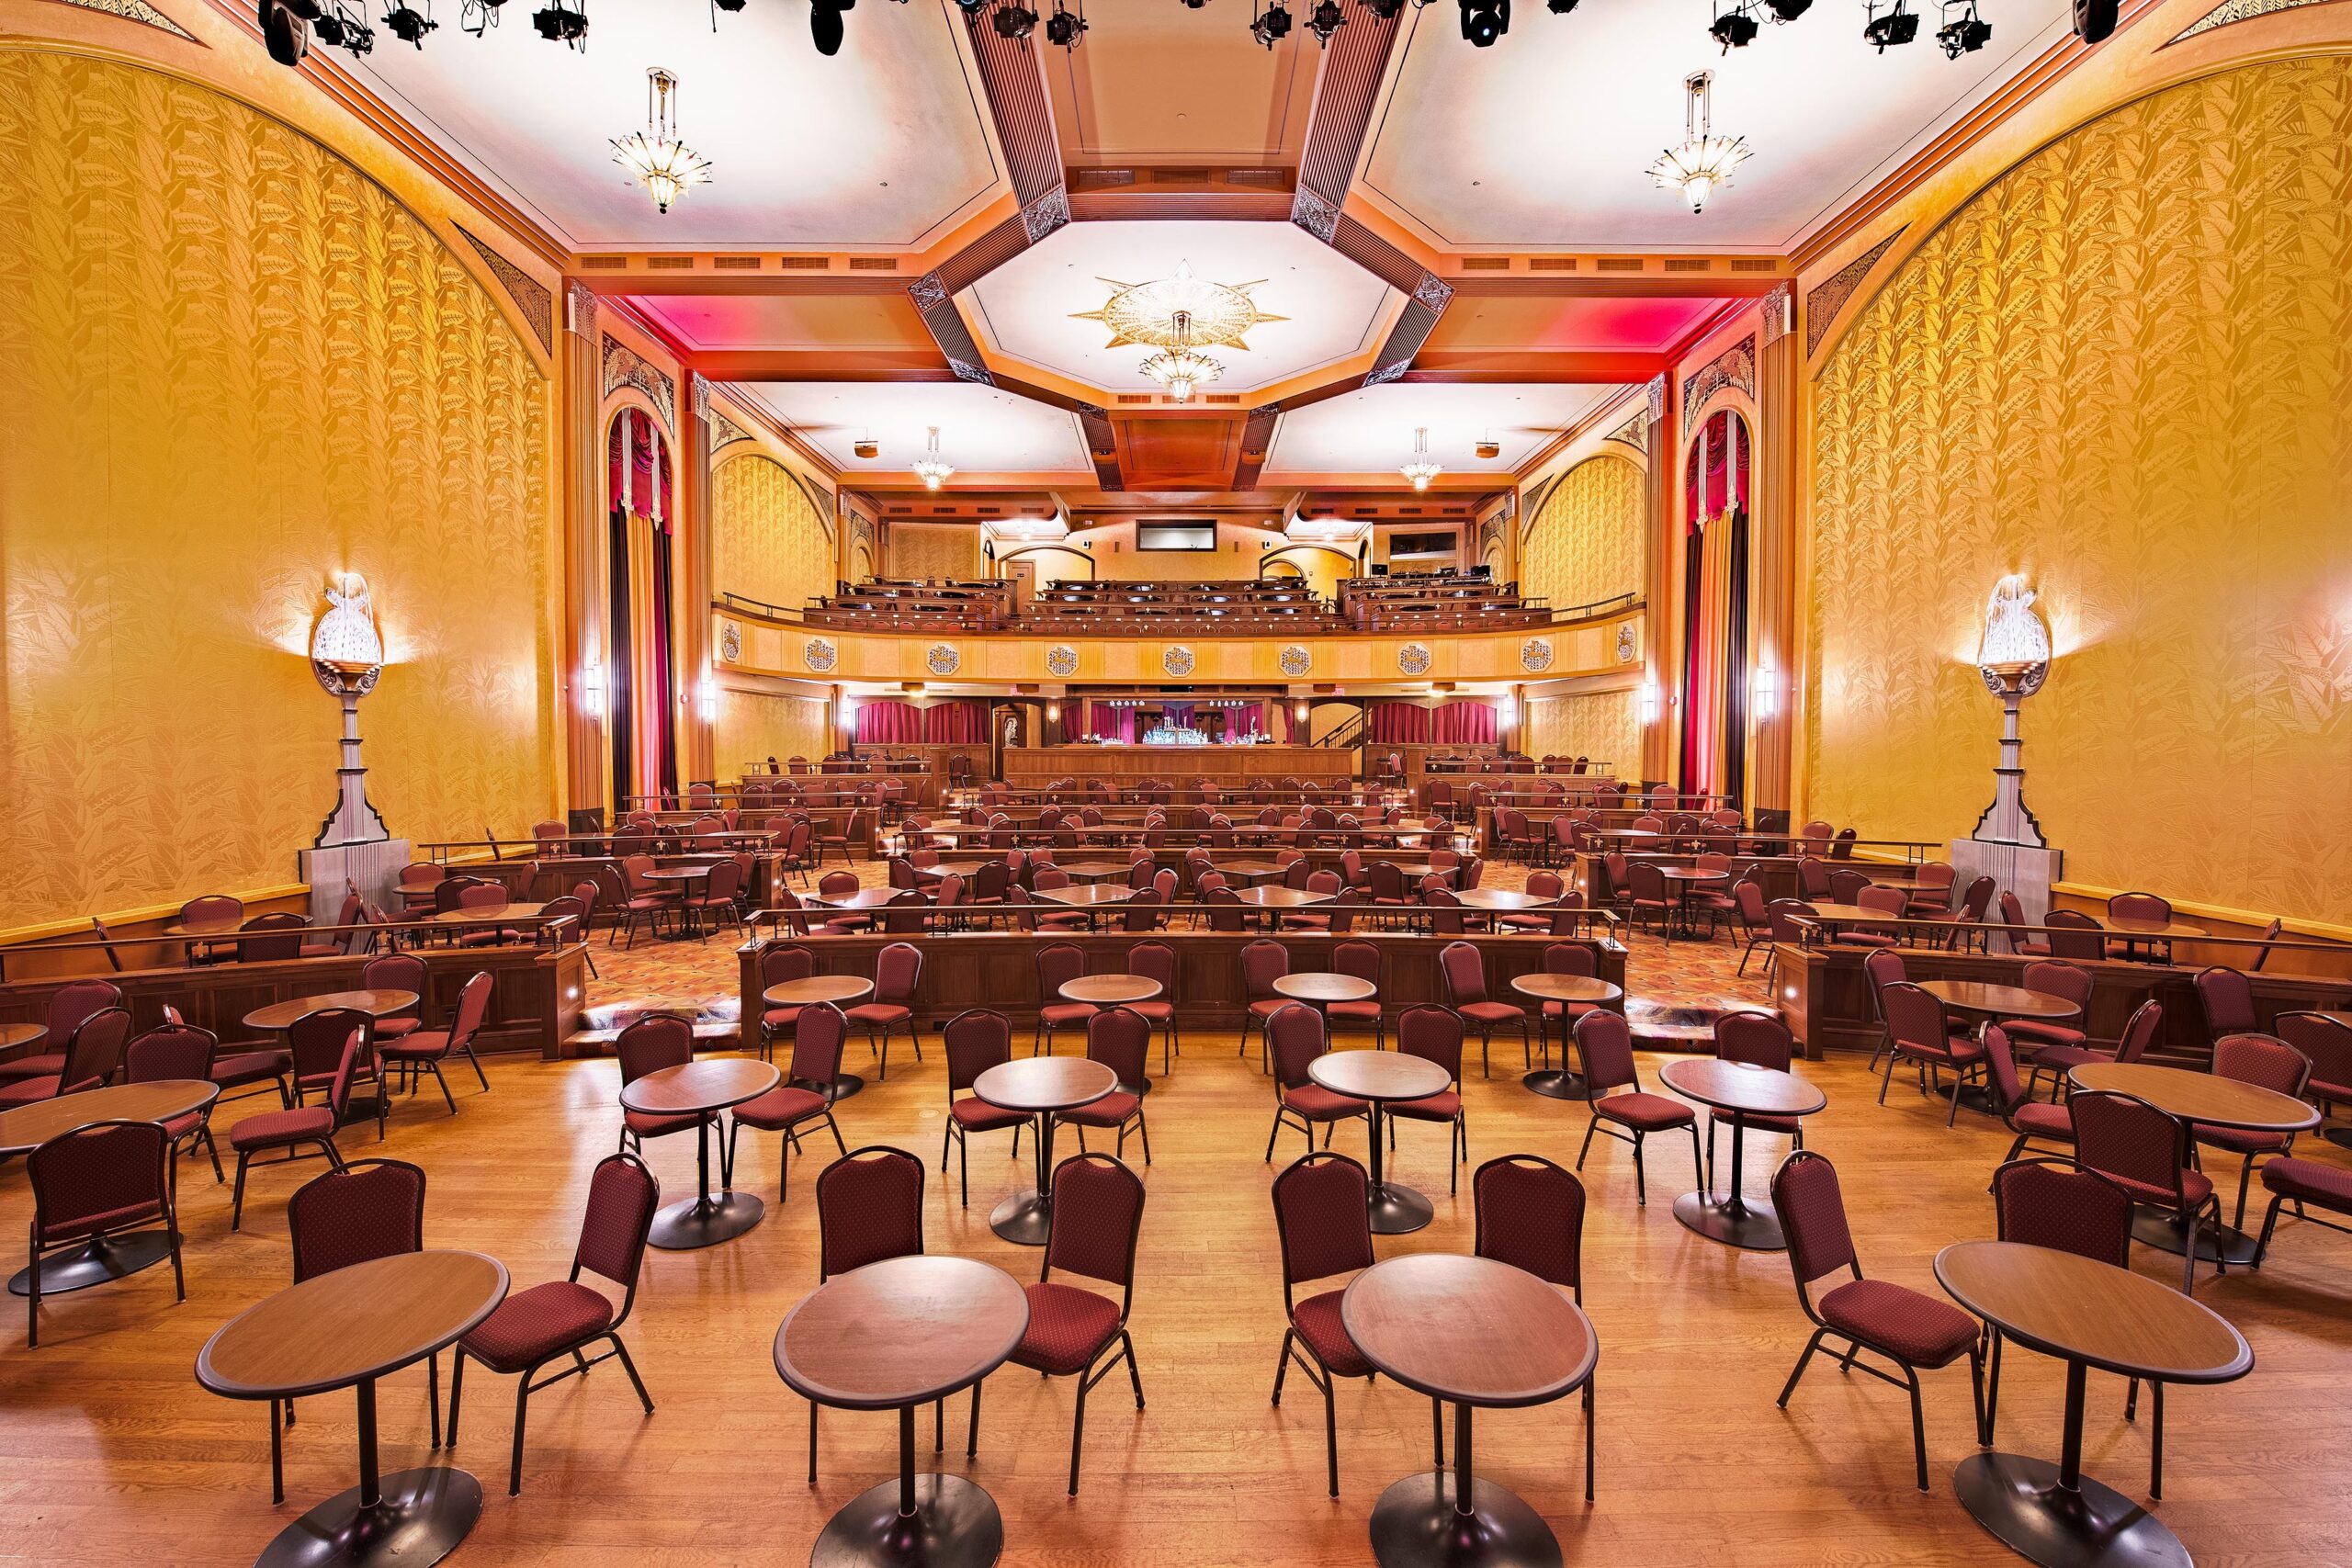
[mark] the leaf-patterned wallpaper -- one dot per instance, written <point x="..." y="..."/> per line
<point x="2125" y="369"/>
<point x="231" y="363"/>
<point x="767" y="541"/>
<point x="1599" y="725"/>
<point x="754" y="725"/>
<point x="942" y="550"/>
<point x="1585" y="542"/>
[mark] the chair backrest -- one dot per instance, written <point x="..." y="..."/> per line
<point x="1605" y="1042"/>
<point x="2263" y="1060"/>
<point x="1463" y="972"/>
<point x="2074" y="934"/>
<point x="2327" y="1044"/>
<point x="2269" y="936"/>
<point x="171" y="1051"/>
<point x="1434" y="1034"/>
<point x="2001" y="1061"/>
<point x="1323" y="1217"/>
<point x="1977" y="902"/>
<point x="213" y="907"/>
<point x="315" y="1039"/>
<point x="1098" y="1214"/>
<point x="278" y="936"/>
<point x="1058" y="963"/>
<point x="1812" y="1216"/>
<point x="2124" y="1137"/>
<point x="366" y="1210"/>
<point x="1263" y="962"/>
<point x="1881" y="900"/>
<point x="816" y="1038"/>
<point x="977" y="1039"/>
<point x="1120" y="1038"/>
<point x="623" y="1197"/>
<point x="1749" y="893"/>
<point x="1758" y="1039"/>
<point x="1295" y="1036"/>
<point x="2059" y="980"/>
<point x="656" y="1041"/>
<point x="1531" y="1215"/>
<point x="1154" y="961"/>
<point x="869" y="1207"/>
<point x="2139" y="1032"/>
<point x="93" y="1051"/>
<point x="1545" y="885"/>
<point x="1856" y="887"/>
<point x="1646" y="879"/>
<point x="1141" y="912"/>
<point x="396" y="972"/>
<point x="1781" y="916"/>
<point x="780" y="963"/>
<point x="2139" y="906"/>
<point x="2227" y="997"/>
<point x="105" y="1169"/>
<point x="1913" y="1016"/>
<point x="1570" y="958"/>
<point x="474" y="1010"/>
<point x="1812" y="877"/>
<point x="898" y="970"/>
<point x="1225" y="910"/>
<point x="2065" y="1205"/>
<point x="449" y="893"/>
<point x="1358" y="960"/>
<point x="77" y="999"/>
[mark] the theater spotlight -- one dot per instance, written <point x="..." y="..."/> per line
<point x="2094" y="20"/>
<point x="1885" y="30"/>
<point x="1271" y="26"/>
<point x="477" y="16"/>
<point x="408" y="25"/>
<point x="1326" y="19"/>
<point x="563" y="23"/>
<point x="1561" y="8"/>
<point x="1965" y="34"/>
<point x="1733" y="29"/>
<point x="825" y="24"/>
<point x="283" y="31"/>
<point x="1014" y="20"/>
<point x="1194" y="5"/>
<point x="971" y="7"/>
<point x="328" y="29"/>
<point x="1484" y="21"/>
<point x="1789" y="10"/>
<point x="1386" y="10"/>
<point x="1064" y="28"/>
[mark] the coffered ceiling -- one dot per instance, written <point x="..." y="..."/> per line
<point x="983" y="431"/>
<point x="1156" y="82"/>
<point x="1365" y="435"/>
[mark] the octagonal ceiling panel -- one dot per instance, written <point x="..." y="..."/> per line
<point x="1544" y="139"/>
<point x="982" y="430"/>
<point x="1371" y="431"/>
<point x="1335" y="308"/>
<point x="879" y="145"/>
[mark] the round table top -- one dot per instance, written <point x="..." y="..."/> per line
<point x="1088" y="870"/>
<point x="227" y="926"/>
<point x="1320" y="987"/>
<point x="490" y="914"/>
<point x="349" y="1325"/>
<point x="2129" y="925"/>
<point x="1413" y="871"/>
<point x="2202" y="1097"/>
<point x="1739" y="1086"/>
<point x="1469" y="1329"/>
<point x="1086" y="892"/>
<point x="1044" y="1083"/>
<point x="692" y="1088"/>
<point x="2004" y="1001"/>
<point x="677" y="872"/>
<point x="1904" y="885"/>
<point x="1692" y="873"/>
<point x="22" y="1033"/>
<point x="2343" y="1018"/>
<point x="1247" y="868"/>
<point x="2078" y="1308"/>
<point x="817" y="988"/>
<point x="1624" y="833"/>
<point x="1565" y="987"/>
<point x="281" y="1015"/>
<point x="30" y="1126"/>
<point x="1282" y="897"/>
<point x="900" y="1332"/>
<point x="1111" y="989"/>
<point x="1502" y="898"/>
<point x="1824" y="909"/>
<point x="1378" y="1075"/>
<point x="862" y="898"/>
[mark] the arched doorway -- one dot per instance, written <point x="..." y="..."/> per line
<point x="1714" y="599"/>
<point x="641" y="503"/>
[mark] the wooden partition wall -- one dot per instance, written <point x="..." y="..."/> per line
<point x="1226" y="766"/>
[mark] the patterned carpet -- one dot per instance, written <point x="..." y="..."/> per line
<point x="1674" y="989"/>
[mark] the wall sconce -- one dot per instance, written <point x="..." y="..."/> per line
<point x="1764" y="692"/>
<point x="1506" y="711"/>
<point x="347" y="650"/>
<point x="592" y="689"/>
<point x="1053" y="713"/>
<point x="1648" y="701"/>
<point x="849" y="712"/>
<point x="706" y="699"/>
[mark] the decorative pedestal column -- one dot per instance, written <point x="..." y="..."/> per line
<point x="2007" y="845"/>
<point x="353" y="851"/>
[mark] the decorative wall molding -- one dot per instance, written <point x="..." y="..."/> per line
<point x="725" y="431"/>
<point x="1657" y="391"/>
<point x="2229" y="11"/>
<point x="1733" y="368"/>
<point x="1313" y="214"/>
<point x="141" y="12"/>
<point x="534" y="298"/>
<point x="1825" y="299"/>
<point x="1633" y="432"/>
<point x="1776" y="313"/>
<point x="624" y="366"/>
<point x="580" y="311"/>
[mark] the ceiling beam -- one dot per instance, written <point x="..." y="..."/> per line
<point x="1499" y="366"/>
<point x="823" y="364"/>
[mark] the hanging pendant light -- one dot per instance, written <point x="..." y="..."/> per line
<point x="929" y="469"/>
<point x="1420" y="470"/>
<point x="1704" y="161"/>
<point x="654" y="157"/>
<point x="1181" y="368"/>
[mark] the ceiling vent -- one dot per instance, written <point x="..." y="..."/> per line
<point x="805" y="263"/>
<point x="873" y="264"/>
<point x="735" y="263"/>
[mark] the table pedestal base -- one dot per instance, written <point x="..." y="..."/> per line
<point x="94" y="1263"/>
<point x="1750" y="1223"/>
<point x="2160" y="1228"/>
<point x="423" y="1516"/>
<point x="847" y="1084"/>
<point x="1415" y="1524"/>
<point x="1559" y="1084"/>
<point x="2340" y="1136"/>
<point x="2020" y="1501"/>
<point x="954" y="1525"/>
<point x="1025" y="1219"/>
<point x="1398" y="1210"/>
<point x="705" y="1222"/>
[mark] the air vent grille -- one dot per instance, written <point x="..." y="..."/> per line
<point x="1618" y="263"/>
<point x="805" y="263"/>
<point x="873" y="264"/>
<point x="603" y="264"/>
<point x="669" y="264"/>
<point x="1551" y="264"/>
<point x="1688" y="264"/>
<point x="735" y="263"/>
<point x="1754" y="263"/>
<point x="1486" y="263"/>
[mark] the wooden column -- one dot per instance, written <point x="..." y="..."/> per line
<point x="1772" y="553"/>
<point x="694" y="656"/>
<point x="586" y="552"/>
<point x="1662" y="626"/>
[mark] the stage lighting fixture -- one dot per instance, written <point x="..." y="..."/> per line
<point x="566" y="25"/>
<point x="1386" y="10"/>
<point x="1561" y="8"/>
<point x="1884" y="31"/>
<point x="2094" y="20"/>
<point x="477" y="16"/>
<point x="1965" y="34"/>
<point x="1733" y="29"/>
<point x="972" y="8"/>
<point x="286" y="34"/>
<point x="1484" y="21"/>
<point x="1271" y="26"/>
<point x="1326" y="19"/>
<point x="1014" y="20"/>
<point x="1789" y="10"/>
<point x="1064" y="28"/>
<point x="825" y="24"/>
<point x="408" y="25"/>
<point x="328" y="29"/>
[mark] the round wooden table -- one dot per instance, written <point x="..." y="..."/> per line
<point x="28" y="1127"/>
<point x="1085" y="895"/>
<point x="1282" y="897"/>
<point x="1503" y="900"/>
<point x="702" y="1090"/>
<point x="1320" y="990"/>
<point x="898" y="1334"/>
<point x="1742" y="1089"/>
<point x="1247" y="870"/>
<point x="15" y="1034"/>
<point x="1377" y="1077"/>
<point x="839" y="989"/>
<point x="1687" y="880"/>
<point x="1091" y="870"/>
<point x="2088" y="1314"/>
<point x="862" y="898"/>
<point x="1987" y="1002"/>
<point x="1473" y="1332"/>
<point x="376" y="1004"/>
<point x="1039" y="1085"/>
<point x="1110" y="990"/>
<point x="1560" y="1084"/>
<point x="2203" y="1099"/>
<point x="346" y="1328"/>
<point x="488" y="915"/>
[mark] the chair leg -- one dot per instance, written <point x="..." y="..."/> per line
<point x="1641" y="1180"/>
<point x="1803" y="1361"/>
<point x="440" y="1079"/>
<point x="972" y="1440"/>
<point x="522" y="1409"/>
<point x="1993" y="1395"/>
<point x="457" y="1395"/>
<point x="1919" y="1427"/>
<point x="237" y="1204"/>
<point x="1331" y="1431"/>
<point x="2156" y="1450"/>
<point x="1589" y="1413"/>
<point x="812" y="1442"/>
<point x="276" y="1456"/>
<point x="1076" y="1432"/>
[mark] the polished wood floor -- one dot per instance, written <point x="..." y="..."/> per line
<point x="110" y="1453"/>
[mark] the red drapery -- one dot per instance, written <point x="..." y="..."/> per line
<point x="958" y="721"/>
<point x="1107" y="721"/>
<point x="1465" y="721"/>
<point x="889" y="723"/>
<point x="643" y="729"/>
<point x="1715" y="660"/>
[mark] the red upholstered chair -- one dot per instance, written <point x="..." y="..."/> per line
<point x="2063" y="1206"/>
<point x="1141" y="913"/>
<point x="1323" y="1216"/>
<point x="1360" y="961"/>
<point x="560" y="1319"/>
<point x="1606" y="1042"/>
<point x="1909" y="1328"/>
<point x="2139" y="906"/>
<point x="1119" y="1038"/>
<point x="102" y="1181"/>
<point x="1761" y="1039"/>
<point x="2265" y="1062"/>
<point x="2308" y="1185"/>
<point x="1540" y="885"/>
<point x="780" y="965"/>
<point x="1434" y="1034"/>
<point x="1531" y="1215"/>
<point x="2029" y="1118"/>
<point x="1098" y="1214"/>
<point x="302" y="1126"/>
<point x="213" y="907"/>
<point x="177" y="1052"/>
<point x="2148" y="1153"/>
<point x="1813" y="878"/>
<point x="92" y="1057"/>
<point x="1295" y="1031"/>
<point x="2075" y="936"/>
<point x="366" y="1210"/>
<point x="657" y="1040"/>
<point x="1314" y="919"/>
<point x="898" y="971"/>
<point x="807" y="1096"/>
<point x="68" y="1006"/>
<point x="397" y="972"/>
<point x="2328" y="1044"/>
<point x="2226" y="996"/>
<point x="2013" y="916"/>
<point x="414" y="1055"/>
<point x="1650" y="896"/>
<point x="1918" y="1030"/>
<point x="977" y="1039"/>
<point x="717" y="902"/>
<point x="315" y="1041"/>
<point x="846" y="842"/>
<point x="1465" y="975"/>
<point x="1157" y="960"/>
<point x="869" y="1207"/>
<point x="1936" y="896"/>
<point x="1058" y="963"/>
<point x="2139" y="1032"/>
<point x="1263" y="962"/>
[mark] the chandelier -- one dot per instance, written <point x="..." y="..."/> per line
<point x="1214" y="314"/>
<point x="929" y="469"/>
<point x="1420" y="470"/>
<point x="1180" y="368"/>
<point x="1704" y="161"/>
<point x="654" y="157"/>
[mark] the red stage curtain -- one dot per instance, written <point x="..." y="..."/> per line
<point x="1467" y="721"/>
<point x="890" y="723"/>
<point x="958" y="721"/>
<point x="1106" y="721"/>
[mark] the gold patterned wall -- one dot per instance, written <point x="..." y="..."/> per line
<point x="1585" y="545"/>
<point x="1602" y="725"/>
<point x="229" y="363"/>
<point x="2123" y="370"/>
<point x="755" y="726"/>
<point x="942" y="550"/>
<point x="768" y="541"/>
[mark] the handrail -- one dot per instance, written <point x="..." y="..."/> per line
<point x="2102" y="934"/>
<point x="1607" y="918"/>
<point x="107" y="944"/>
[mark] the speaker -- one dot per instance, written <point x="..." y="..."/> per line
<point x="2095" y="20"/>
<point x="286" y="34"/>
